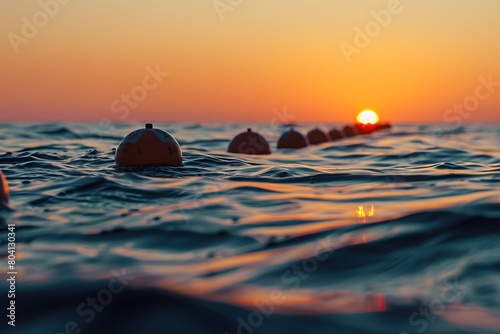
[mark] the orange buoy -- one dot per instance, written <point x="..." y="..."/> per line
<point x="336" y="134"/>
<point x="317" y="136"/>
<point x="4" y="189"/>
<point x="366" y="129"/>
<point x="149" y="146"/>
<point x="249" y="143"/>
<point x="292" y="139"/>
<point x="350" y="131"/>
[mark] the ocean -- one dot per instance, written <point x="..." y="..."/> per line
<point x="393" y="232"/>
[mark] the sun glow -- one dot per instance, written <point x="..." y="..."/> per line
<point x="367" y="117"/>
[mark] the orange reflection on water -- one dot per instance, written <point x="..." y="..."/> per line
<point x="248" y="266"/>
<point x="361" y="214"/>
<point x="371" y="213"/>
<point x="302" y="302"/>
<point x="468" y="317"/>
<point x="375" y="302"/>
<point x="300" y="229"/>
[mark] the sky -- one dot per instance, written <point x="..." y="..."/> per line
<point x="241" y="60"/>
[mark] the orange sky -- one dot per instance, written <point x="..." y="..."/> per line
<point x="418" y="62"/>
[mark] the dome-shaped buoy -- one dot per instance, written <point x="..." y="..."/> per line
<point x="292" y="139"/>
<point x="350" y="131"/>
<point x="149" y="146"/>
<point x="249" y="143"/>
<point x="385" y="126"/>
<point x="336" y="134"/>
<point x="4" y="189"/>
<point x="317" y="136"/>
<point x="366" y="129"/>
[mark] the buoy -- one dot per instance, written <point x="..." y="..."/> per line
<point x="367" y="122"/>
<point x="336" y="134"/>
<point x="317" y="136"/>
<point x="384" y="126"/>
<point x="149" y="146"/>
<point x="4" y="189"/>
<point x="249" y="143"/>
<point x="292" y="139"/>
<point x="366" y="129"/>
<point x="350" y="131"/>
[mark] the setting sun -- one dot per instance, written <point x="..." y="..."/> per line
<point x="367" y="117"/>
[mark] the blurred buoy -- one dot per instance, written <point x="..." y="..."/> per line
<point x="336" y="134"/>
<point x="292" y="139"/>
<point x="366" y="129"/>
<point x="249" y="143"/>
<point x="316" y="136"/>
<point x="384" y="126"/>
<point x="149" y="146"/>
<point x="4" y="189"/>
<point x="350" y="131"/>
<point x="367" y="122"/>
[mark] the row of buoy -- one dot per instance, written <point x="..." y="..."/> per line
<point x="150" y="146"/>
<point x="253" y="143"/>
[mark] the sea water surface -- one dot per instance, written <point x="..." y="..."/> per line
<point x="394" y="232"/>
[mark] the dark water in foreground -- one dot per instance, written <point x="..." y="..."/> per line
<point x="243" y="244"/>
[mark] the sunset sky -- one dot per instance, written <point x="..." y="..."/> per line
<point x="423" y="58"/>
